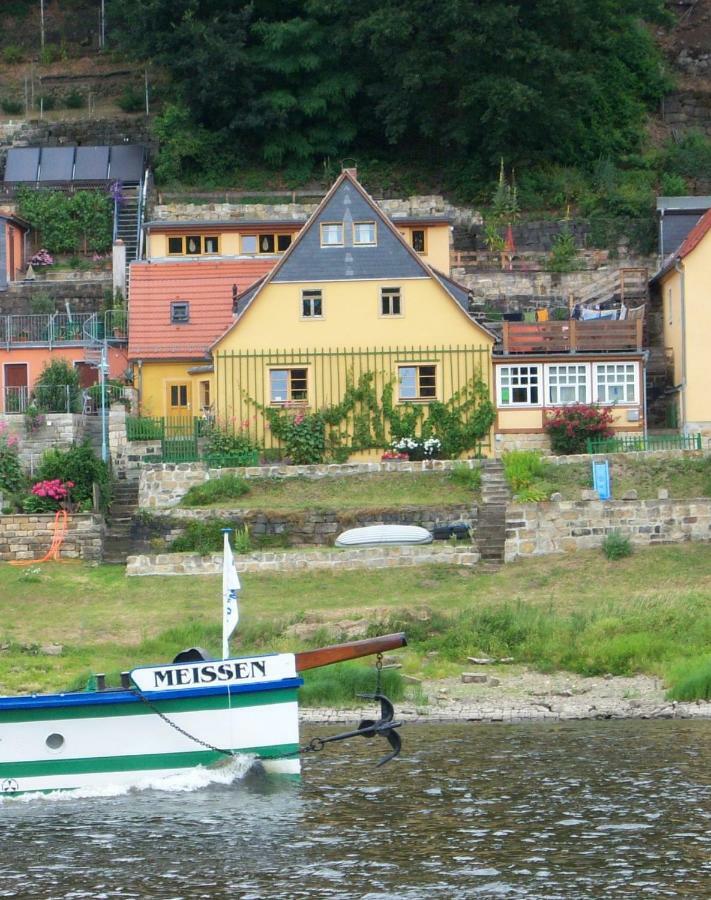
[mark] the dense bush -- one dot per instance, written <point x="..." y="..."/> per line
<point x="81" y="466"/>
<point x="522" y="468"/>
<point x="11" y="107"/>
<point x="131" y="100"/>
<point x="12" y="54"/>
<point x="11" y="477"/>
<point x="57" y="388"/>
<point x="74" y="100"/>
<point x="201" y="537"/>
<point x="570" y="427"/>
<point x="80" y="222"/>
<point x="233" y="447"/>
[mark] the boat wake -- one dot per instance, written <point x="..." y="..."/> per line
<point x="233" y="770"/>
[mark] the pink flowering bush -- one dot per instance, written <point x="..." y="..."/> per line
<point x="42" y="258"/>
<point x="53" y="490"/>
<point x="570" y="427"/>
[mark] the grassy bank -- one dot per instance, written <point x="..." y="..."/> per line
<point x="352" y="492"/>
<point x="649" y="613"/>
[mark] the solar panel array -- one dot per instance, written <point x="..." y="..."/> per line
<point x="122" y="162"/>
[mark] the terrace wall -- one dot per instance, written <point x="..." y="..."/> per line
<point x="60" y="431"/>
<point x="537" y="529"/>
<point x="30" y="536"/>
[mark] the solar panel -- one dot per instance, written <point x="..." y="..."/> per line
<point x="91" y="164"/>
<point x="22" y="163"/>
<point x="57" y="164"/>
<point x="126" y="162"/>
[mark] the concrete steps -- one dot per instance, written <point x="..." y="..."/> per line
<point x="491" y="527"/>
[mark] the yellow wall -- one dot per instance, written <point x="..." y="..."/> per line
<point x="697" y="290"/>
<point x="519" y="419"/>
<point x="671" y="307"/>
<point x="351" y="321"/>
<point x="154" y="378"/>
<point x="351" y="318"/>
<point x="437" y="241"/>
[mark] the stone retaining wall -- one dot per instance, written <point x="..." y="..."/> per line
<point x="536" y="529"/>
<point x="83" y="296"/>
<point x="293" y="560"/>
<point x="163" y="485"/>
<point x="320" y="527"/>
<point x="30" y="537"/>
<point x="60" y="430"/>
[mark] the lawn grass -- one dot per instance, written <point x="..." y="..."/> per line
<point x="648" y="613"/>
<point x="684" y="478"/>
<point x="351" y="492"/>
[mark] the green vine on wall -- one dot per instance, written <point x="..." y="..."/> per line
<point x="68" y="223"/>
<point x="362" y="421"/>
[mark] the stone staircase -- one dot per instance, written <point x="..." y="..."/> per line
<point x="491" y="528"/>
<point x="118" y="542"/>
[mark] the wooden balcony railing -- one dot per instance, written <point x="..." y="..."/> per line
<point x="591" y="335"/>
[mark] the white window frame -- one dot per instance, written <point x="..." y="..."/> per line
<point x="528" y="404"/>
<point x="597" y="367"/>
<point x="310" y="295"/>
<point x="549" y="374"/>
<point x="289" y="388"/>
<point x="357" y="243"/>
<point x="332" y="225"/>
<point x="387" y="293"/>
<point x="417" y="366"/>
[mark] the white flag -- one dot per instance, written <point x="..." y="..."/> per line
<point x="230" y="587"/>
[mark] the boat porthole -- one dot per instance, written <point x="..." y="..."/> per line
<point x="55" y="741"/>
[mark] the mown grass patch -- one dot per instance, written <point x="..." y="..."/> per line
<point x="350" y="492"/>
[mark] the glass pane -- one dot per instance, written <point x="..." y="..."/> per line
<point x="505" y="395"/>
<point x="316" y="306"/>
<point x="519" y="395"/>
<point x="175" y="245"/>
<point x="396" y="305"/>
<point x="210" y="245"/>
<point x="249" y="243"/>
<point x="408" y="382"/>
<point x="283" y="242"/>
<point x="364" y="233"/>
<point x="428" y="387"/>
<point x="278" y="385"/>
<point x="266" y="243"/>
<point x="418" y="241"/>
<point x="298" y="384"/>
<point x="331" y="234"/>
<point x="183" y="394"/>
<point x="174" y="395"/>
<point x="192" y="244"/>
<point x="534" y="394"/>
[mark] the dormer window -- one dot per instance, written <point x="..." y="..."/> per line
<point x="363" y="233"/>
<point x="179" y="312"/>
<point x="193" y="245"/>
<point x="332" y="234"/>
<point x="419" y="244"/>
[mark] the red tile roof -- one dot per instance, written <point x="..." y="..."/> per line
<point x="206" y="285"/>
<point x="695" y="236"/>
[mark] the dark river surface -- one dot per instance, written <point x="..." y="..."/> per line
<point x="594" y="809"/>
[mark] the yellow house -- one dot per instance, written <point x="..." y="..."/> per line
<point x="350" y="303"/>
<point x="683" y="284"/>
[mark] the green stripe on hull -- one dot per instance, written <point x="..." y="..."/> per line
<point x="112" y="710"/>
<point x="41" y="767"/>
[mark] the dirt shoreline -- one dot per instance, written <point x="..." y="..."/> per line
<point x="523" y="696"/>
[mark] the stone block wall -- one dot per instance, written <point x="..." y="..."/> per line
<point x="295" y="561"/>
<point x="60" y="431"/>
<point x="163" y="485"/>
<point x="536" y="529"/>
<point x="30" y="537"/>
<point x="320" y="527"/>
<point x="83" y="296"/>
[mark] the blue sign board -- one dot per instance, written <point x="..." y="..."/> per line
<point x="601" y="478"/>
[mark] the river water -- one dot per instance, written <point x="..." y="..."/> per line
<point x="575" y="810"/>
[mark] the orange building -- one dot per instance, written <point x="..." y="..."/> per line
<point x="13" y="233"/>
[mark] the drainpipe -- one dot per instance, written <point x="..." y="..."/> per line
<point x="645" y="360"/>
<point x="679" y="267"/>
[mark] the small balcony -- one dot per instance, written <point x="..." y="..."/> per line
<point x="572" y="336"/>
<point x="62" y="329"/>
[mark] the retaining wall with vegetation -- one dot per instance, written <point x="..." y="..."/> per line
<point x="294" y="560"/>
<point x="30" y="537"/>
<point x="319" y="526"/>
<point x="163" y="485"/>
<point x="60" y="430"/>
<point x="536" y="529"/>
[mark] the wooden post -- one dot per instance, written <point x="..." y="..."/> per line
<point x="573" y="335"/>
<point x="639" y="323"/>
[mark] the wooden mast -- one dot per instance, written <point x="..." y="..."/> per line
<point x="325" y="656"/>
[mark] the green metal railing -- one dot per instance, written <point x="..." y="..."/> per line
<point x="179" y="440"/>
<point x="629" y="443"/>
<point x="144" y="428"/>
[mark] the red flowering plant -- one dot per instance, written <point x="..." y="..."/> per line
<point x="46" y="496"/>
<point x="394" y="455"/>
<point x="570" y="427"/>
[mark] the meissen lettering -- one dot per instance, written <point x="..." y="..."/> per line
<point x="207" y="674"/>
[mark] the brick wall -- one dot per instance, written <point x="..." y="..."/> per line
<point x="30" y="537"/>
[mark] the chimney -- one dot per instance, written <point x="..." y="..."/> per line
<point x="352" y="170"/>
